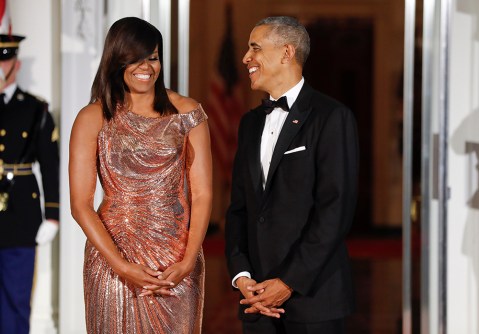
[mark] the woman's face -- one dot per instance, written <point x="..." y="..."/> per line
<point x="140" y="77"/>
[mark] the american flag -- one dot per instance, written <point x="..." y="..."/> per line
<point x="224" y="104"/>
<point x="5" y="21"/>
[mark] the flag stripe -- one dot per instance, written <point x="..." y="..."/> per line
<point x="5" y="21"/>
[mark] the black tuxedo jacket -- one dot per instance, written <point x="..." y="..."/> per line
<point x="295" y="228"/>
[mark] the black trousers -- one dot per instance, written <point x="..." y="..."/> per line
<point x="267" y="325"/>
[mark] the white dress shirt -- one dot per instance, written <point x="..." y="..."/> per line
<point x="272" y="127"/>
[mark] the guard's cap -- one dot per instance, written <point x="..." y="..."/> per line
<point x="9" y="46"/>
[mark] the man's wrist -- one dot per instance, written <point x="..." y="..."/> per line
<point x="286" y="285"/>
<point x="241" y="274"/>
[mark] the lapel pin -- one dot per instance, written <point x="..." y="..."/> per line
<point x="295" y="121"/>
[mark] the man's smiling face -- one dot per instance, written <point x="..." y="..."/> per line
<point x="263" y="59"/>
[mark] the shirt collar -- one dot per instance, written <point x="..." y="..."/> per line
<point x="292" y="94"/>
<point x="9" y="91"/>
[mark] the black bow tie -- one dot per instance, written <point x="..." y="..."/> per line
<point x="269" y="105"/>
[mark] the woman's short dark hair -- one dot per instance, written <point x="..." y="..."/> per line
<point x="128" y="41"/>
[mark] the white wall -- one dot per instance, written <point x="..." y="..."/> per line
<point x="36" y="51"/>
<point x="463" y="208"/>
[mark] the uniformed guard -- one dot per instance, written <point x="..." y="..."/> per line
<point x="27" y="135"/>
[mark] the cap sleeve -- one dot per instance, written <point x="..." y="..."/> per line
<point x="194" y="118"/>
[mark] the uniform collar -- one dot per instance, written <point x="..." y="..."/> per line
<point x="9" y="91"/>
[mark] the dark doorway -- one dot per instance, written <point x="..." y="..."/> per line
<point x="341" y="65"/>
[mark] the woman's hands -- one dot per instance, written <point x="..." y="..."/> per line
<point x="170" y="278"/>
<point x="143" y="276"/>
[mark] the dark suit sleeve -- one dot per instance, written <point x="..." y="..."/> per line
<point x="48" y="157"/>
<point x="334" y="202"/>
<point x="236" y="217"/>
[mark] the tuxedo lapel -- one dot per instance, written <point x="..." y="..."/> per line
<point x="297" y="116"/>
<point x="254" y="155"/>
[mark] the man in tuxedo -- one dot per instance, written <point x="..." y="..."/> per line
<point x="293" y="194"/>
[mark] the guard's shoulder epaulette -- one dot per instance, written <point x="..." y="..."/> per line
<point x="22" y="95"/>
<point x="39" y="98"/>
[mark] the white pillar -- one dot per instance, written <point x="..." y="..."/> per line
<point x="37" y="75"/>
<point x="81" y="45"/>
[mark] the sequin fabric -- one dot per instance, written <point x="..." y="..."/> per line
<point x="142" y="168"/>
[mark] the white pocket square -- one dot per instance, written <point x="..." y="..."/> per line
<point x="297" y="149"/>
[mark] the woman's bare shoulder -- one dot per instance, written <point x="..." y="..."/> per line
<point x="90" y="116"/>
<point x="184" y="104"/>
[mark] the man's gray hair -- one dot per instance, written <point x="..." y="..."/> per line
<point x="288" y="30"/>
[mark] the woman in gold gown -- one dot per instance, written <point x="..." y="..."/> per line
<point x="144" y="266"/>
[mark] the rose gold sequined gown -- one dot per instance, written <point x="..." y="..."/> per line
<point x="141" y="162"/>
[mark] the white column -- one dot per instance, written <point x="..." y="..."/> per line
<point x="81" y="45"/>
<point x="37" y="76"/>
<point x="162" y="20"/>
<point x="183" y="46"/>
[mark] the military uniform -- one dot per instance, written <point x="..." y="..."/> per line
<point x="27" y="135"/>
<point x="19" y="223"/>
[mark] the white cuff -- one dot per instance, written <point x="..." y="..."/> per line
<point x="241" y="274"/>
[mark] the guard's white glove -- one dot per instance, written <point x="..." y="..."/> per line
<point x="47" y="232"/>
